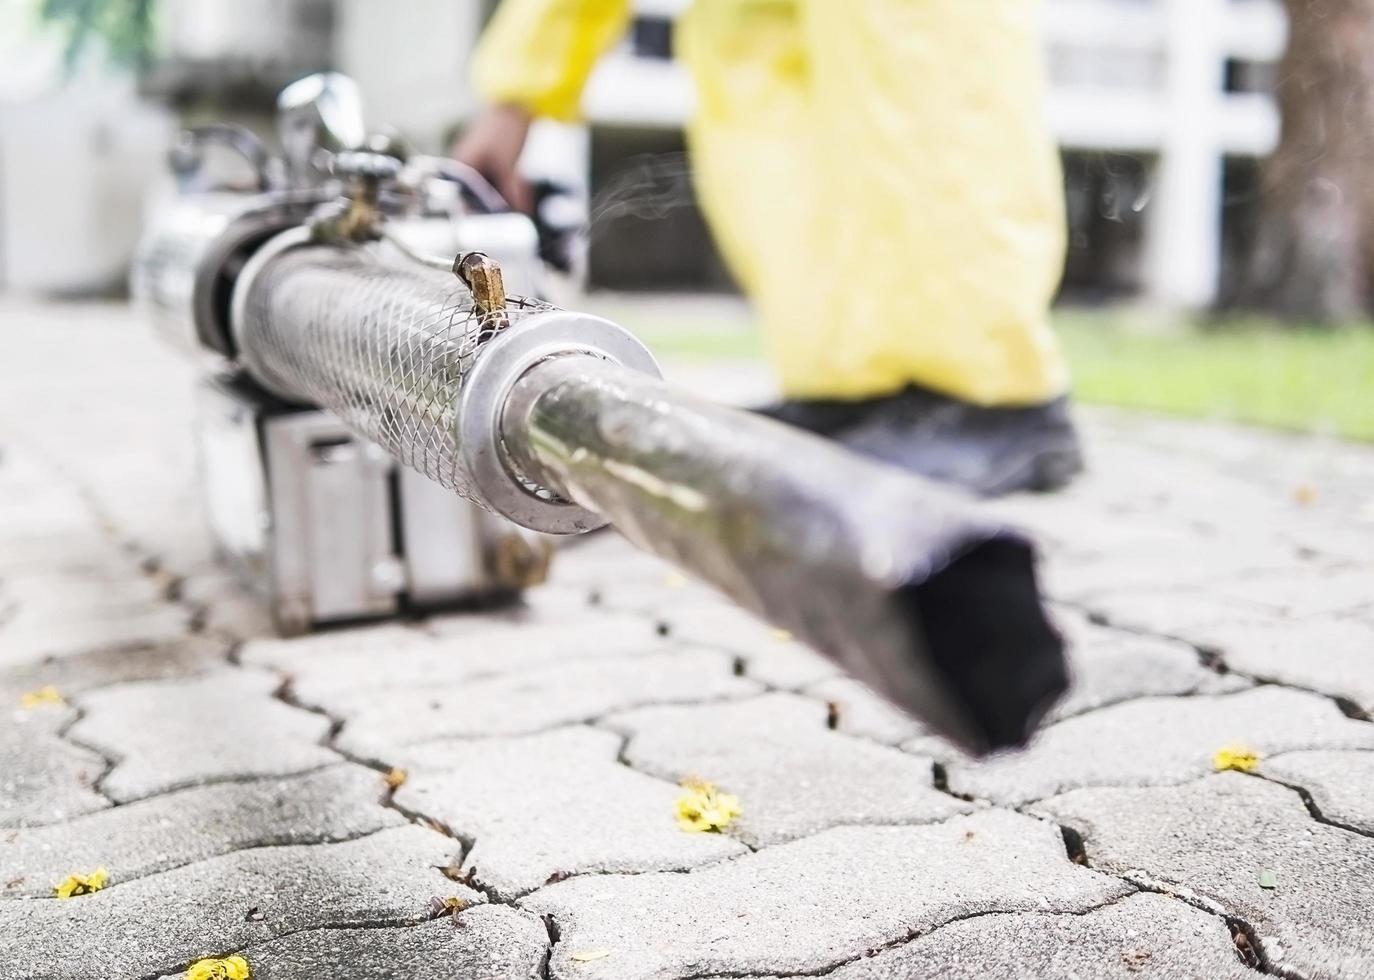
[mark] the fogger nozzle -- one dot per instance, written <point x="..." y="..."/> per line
<point x="560" y="422"/>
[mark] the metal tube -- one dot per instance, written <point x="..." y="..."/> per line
<point x="902" y="583"/>
<point x="558" y="422"/>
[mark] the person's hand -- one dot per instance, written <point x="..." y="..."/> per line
<point x="491" y="145"/>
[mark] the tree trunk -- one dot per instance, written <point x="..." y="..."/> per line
<point x="1314" y="242"/>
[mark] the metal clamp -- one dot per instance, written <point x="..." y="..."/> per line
<point x="502" y="363"/>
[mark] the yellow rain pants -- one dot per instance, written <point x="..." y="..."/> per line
<point x="877" y="173"/>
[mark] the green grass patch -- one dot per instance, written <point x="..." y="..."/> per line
<point x="1244" y="370"/>
<point x="1304" y="379"/>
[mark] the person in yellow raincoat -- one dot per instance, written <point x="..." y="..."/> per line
<point x="880" y="179"/>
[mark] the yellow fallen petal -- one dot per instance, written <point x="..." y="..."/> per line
<point x="228" y="968"/>
<point x="782" y="636"/>
<point x="394" y="778"/>
<point x="45" y="695"/>
<point x="81" y="884"/>
<point x="1240" y="758"/>
<point x="703" y="808"/>
<point x="589" y="955"/>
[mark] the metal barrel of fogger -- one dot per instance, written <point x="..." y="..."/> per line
<point x="560" y="422"/>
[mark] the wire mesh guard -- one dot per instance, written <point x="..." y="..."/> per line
<point x="383" y="342"/>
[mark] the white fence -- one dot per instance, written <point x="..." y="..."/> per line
<point x="1139" y="76"/>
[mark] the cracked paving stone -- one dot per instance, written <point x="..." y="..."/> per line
<point x="1151" y="742"/>
<point x="43" y="777"/>
<point x="1334" y="656"/>
<point x="521" y="703"/>
<point x="160" y="923"/>
<point x="1109" y="666"/>
<point x="485" y="942"/>
<point x="863" y="712"/>
<point x="409" y="658"/>
<point x="1208" y="841"/>
<point x="793" y="776"/>
<point x="225" y="725"/>
<point x="813" y="903"/>
<point x="100" y="668"/>
<point x="554" y="804"/>
<point x="771" y="655"/>
<point x="1341" y="784"/>
<point x="179" y="828"/>
<point x="1140" y="937"/>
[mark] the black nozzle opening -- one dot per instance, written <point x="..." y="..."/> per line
<point x="987" y="632"/>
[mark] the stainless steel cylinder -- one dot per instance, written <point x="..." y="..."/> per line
<point x="397" y="350"/>
<point x="560" y="422"/>
<point x="903" y="583"/>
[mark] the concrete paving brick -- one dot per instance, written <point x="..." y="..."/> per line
<point x="861" y="712"/>
<point x="182" y="827"/>
<point x="1141" y="936"/>
<point x="1153" y="742"/>
<point x="160" y="923"/>
<point x="82" y="672"/>
<point x="223" y="725"/>
<point x="143" y="625"/>
<point x="333" y="649"/>
<point x="1175" y="613"/>
<point x="1298" y="593"/>
<point x="410" y="658"/>
<point x="515" y="704"/>
<point x="770" y="655"/>
<point x="813" y="903"/>
<point x="558" y="803"/>
<point x="79" y="551"/>
<point x="485" y="942"/>
<point x="1110" y="666"/>
<point x="1197" y="562"/>
<point x="1209" y="840"/>
<point x="1334" y="656"/>
<point x="1341" y="784"/>
<point x="793" y="776"/>
<point x="43" y="777"/>
<point x="50" y="595"/>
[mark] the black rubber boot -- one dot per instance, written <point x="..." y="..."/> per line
<point x="988" y="451"/>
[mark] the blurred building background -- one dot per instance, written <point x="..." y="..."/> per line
<point x="1162" y="109"/>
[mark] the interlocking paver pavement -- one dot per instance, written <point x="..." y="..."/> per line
<point x="792" y="908"/>
<point x="226" y="725"/>
<point x="552" y="805"/>
<point x="1340" y="784"/>
<point x="1212" y="841"/>
<point x="1330" y="655"/>
<point x="377" y="723"/>
<point x="189" y="825"/>
<point x="776" y="752"/>
<point x="154" y="924"/>
<point x="44" y="777"/>
<point x="1141" y="936"/>
<point x="1153" y="742"/>
<point x="1215" y="581"/>
<point x="484" y="942"/>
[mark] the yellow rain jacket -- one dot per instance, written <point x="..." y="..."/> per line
<point x="877" y="173"/>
